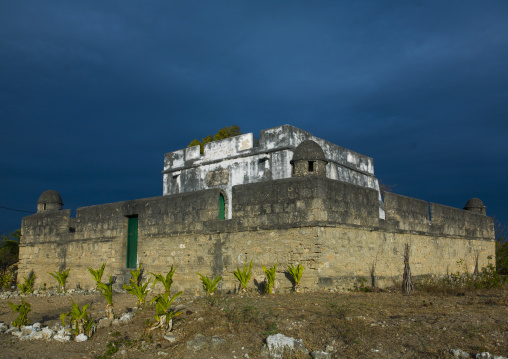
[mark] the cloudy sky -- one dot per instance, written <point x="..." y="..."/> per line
<point x="92" y="94"/>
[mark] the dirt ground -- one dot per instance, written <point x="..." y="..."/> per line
<point x="357" y="325"/>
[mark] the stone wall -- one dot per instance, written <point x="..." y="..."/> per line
<point x="331" y="227"/>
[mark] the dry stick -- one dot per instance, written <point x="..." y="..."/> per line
<point x="407" y="281"/>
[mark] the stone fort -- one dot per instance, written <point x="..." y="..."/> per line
<point x="292" y="198"/>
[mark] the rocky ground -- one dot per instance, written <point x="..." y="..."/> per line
<point x="337" y="325"/>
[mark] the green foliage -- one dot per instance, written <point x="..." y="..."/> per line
<point x="501" y="233"/>
<point x="28" y="285"/>
<point x="166" y="281"/>
<point x="22" y="309"/>
<point x="136" y="286"/>
<point x="486" y="278"/>
<point x="164" y="315"/>
<point x="270" y="278"/>
<point x="362" y="286"/>
<point x="226" y="132"/>
<point x="244" y="275"/>
<point x="9" y="250"/>
<point x="6" y="278"/>
<point x="97" y="274"/>
<point x="61" y="278"/>
<point x="79" y="319"/>
<point x="296" y="273"/>
<point x="106" y="290"/>
<point x="209" y="284"/>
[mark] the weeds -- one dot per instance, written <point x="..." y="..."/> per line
<point x="209" y="284"/>
<point x="97" y="274"/>
<point x="296" y="273"/>
<point x="22" y="309"/>
<point x="6" y="278"/>
<point x="243" y="276"/>
<point x="270" y="278"/>
<point x="61" y="278"/>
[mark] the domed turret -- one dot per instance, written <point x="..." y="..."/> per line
<point x="476" y="205"/>
<point x="309" y="159"/>
<point x="49" y="201"/>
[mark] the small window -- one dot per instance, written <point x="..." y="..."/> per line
<point x="44" y="206"/>
<point x="311" y="166"/>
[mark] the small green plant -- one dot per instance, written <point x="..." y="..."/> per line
<point x="270" y="278"/>
<point x="209" y="284"/>
<point x="6" y="278"/>
<point x="61" y="278"/>
<point x="164" y="316"/>
<point x="22" y="309"/>
<point x="362" y="286"/>
<point x="28" y="285"/>
<point x="97" y="274"/>
<point x="79" y="319"/>
<point x="106" y="290"/>
<point x="296" y="273"/>
<point x="167" y="281"/>
<point x="243" y="276"/>
<point x="136" y="286"/>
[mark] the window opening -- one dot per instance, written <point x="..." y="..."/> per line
<point x="311" y="166"/>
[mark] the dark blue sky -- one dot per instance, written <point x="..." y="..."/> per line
<point x="92" y="94"/>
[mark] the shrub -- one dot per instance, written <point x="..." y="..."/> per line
<point x="61" y="278"/>
<point x="209" y="284"/>
<point x="136" y="286"/>
<point x="243" y="276"/>
<point x="22" y="309"/>
<point x="106" y="290"/>
<point x="270" y="278"/>
<point x="296" y="273"/>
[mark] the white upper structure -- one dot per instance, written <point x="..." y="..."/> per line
<point x="235" y="161"/>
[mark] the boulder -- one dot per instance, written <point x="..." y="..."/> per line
<point x="278" y="344"/>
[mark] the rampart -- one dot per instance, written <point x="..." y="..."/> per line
<point x="331" y="227"/>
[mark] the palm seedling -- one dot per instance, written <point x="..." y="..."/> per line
<point x="209" y="284"/>
<point x="164" y="316"/>
<point x="296" y="273"/>
<point x="61" y="278"/>
<point x="107" y="292"/>
<point x="243" y="276"/>
<point x="28" y="285"/>
<point x="97" y="274"/>
<point x="22" y="309"/>
<point x="167" y="281"/>
<point x="136" y="286"/>
<point x="270" y="278"/>
<point x="79" y="319"/>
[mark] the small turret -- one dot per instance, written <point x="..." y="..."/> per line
<point x="49" y="201"/>
<point x="309" y="160"/>
<point x="475" y="205"/>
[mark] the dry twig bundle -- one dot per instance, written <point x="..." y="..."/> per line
<point x="407" y="279"/>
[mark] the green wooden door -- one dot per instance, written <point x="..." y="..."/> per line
<point x="222" y="207"/>
<point x="132" y="242"/>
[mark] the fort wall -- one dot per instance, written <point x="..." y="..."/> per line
<point x="331" y="227"/>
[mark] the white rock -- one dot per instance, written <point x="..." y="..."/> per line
<point x="3" y="327"/>
<point x="458" y="353"/>
<point x="47" y="333"/>
<point x="62" y="337"/>
<point x="81" y="338"/>
<point x="36" y="326"/>
<point x="127" y="317"/>
<point x="279" y="343"/>
<point x="17" y="333"/>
